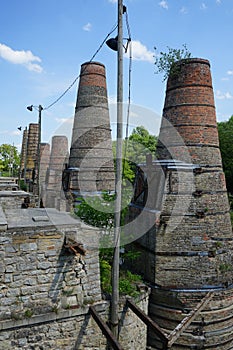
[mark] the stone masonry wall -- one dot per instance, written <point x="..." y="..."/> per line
<point x="39" y="275"/>
<point x="46" y="289"/>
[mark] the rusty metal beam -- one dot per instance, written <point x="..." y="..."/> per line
<point x="149" y="322"/>
<point x="174" y="335"/>
<point x="105" y="329"/>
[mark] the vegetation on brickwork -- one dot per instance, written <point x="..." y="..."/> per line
<point x="225" y="267"/>
<point x="28" y="313"/>
<point x="165" y="61"/>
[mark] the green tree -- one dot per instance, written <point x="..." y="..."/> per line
<point x="9" y="159"/>
<point x="225" y="131"/>
<point x="139" y="144"/>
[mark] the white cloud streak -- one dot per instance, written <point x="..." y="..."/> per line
<point x="87" y="27"/>
<point x="203" y="6"/>
<point x="64" y="120"/>
<point x="163" y="4"/>
<point x="230" y="72"/>
<point x="113" y="1"/>
<point x="223" y="96"/>
<point x="140" y="52"/>
<point x="25" y="58"/>
<point x="183" y="10"/>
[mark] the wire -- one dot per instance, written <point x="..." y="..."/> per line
<point x="75" y="80"/>
<point x="129" y="44"/>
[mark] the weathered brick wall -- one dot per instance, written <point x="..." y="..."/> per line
<point x="44" y="166"/>
<point x="74" y="329"/>
<point x="23" y="152"/>
<point x="194" y="239"/>
<point x="32" y="143"/>
<point x="91" y="146"/>
<point x="189" y="249"/>
<point x="58" y="158"/>
<point x="12" y="199"/>
<point x="39" y="274"/>
<point x="46" y="290"/>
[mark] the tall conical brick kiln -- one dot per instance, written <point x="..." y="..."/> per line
<point x="31" y="155"/>
<point x="90" y="169"/>
<point x="23" y="158"/>
<point x="58" y="159"/>
<point x="189" y="250"/>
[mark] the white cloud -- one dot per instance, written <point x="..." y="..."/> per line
<point x="225" y="79"/>
<point x="183" y="10"/>
<point x="230" y="72"/>
<point x="25" y="58"/>
<point x="87" y="27"/>
<point x="140" y="52"/>
<point x="113" y="1"/>
<point x="163" y="4"/>
<point x="203" y="6"/>
<point x="218" y="2"/>
<point x="223" y="96"/>
<point x="64" y="120"/>
<point x="16" y="132"/>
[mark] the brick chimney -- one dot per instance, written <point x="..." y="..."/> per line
<point x="32" y="146"/>
<point x="44" y="168"/>
<point x="90" y="168"/>
<point x="23" y="155"/>
<point x="58" y="158"/>
<point x="194" y="243"/>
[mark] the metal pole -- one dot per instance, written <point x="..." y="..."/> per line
<point x="38" y="154"/>
<point x="118" y="181"/>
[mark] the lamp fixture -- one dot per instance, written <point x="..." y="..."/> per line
<point x="30" y="108"/>
<point x="112" y="43"/>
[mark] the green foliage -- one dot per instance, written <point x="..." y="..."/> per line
<point x="165" y="61"/>
<point x="128" y="283"/>
<point x="105" y="276"/>
<point x="225" y="267"/>
<point x="9" y="160"/>
<point x="135" y="149"/>
<point x="140" y="143"/>
<point x="22" y="185"/>
<point x="130" y="255"/>
<point x="225" y="132"/>
<point x="28" y="313"/>
<point x="97" y="211"/>
<point x="127" y="280"/>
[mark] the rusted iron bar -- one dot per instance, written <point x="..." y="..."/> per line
<point x="149" y="322"/>
<point x="76" y="247"/>
<point x="105" y="329"/>
<point x="174" y="335"/>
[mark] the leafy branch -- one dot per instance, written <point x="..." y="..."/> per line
<point x="165" y="61"/>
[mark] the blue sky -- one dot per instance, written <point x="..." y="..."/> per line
<point x="43" y="44"/>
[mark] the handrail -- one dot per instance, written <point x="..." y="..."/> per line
<point x="105" y="329"/>
<point x="149" y="322"/>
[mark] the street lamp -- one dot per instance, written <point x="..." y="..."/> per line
<point x="116" y="44"/>
<point x="39" y="108"/>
